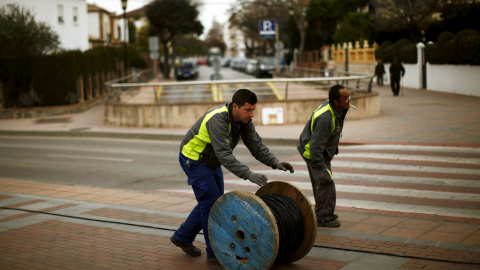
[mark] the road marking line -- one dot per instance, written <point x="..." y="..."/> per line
<point x="413" y="157"/>
<point x="372" y="205"/>
<point x="401" y="192"/>
<point x="413" y="148"/>
<point x="220" y="93"/>
<point x="158" y="93"/>
<point x="396" y="167"/>
<point x="384" y="178"/>
<point x="275" y="90"/>
<point x="94" y="158"/>
<point x="217" y="94"/>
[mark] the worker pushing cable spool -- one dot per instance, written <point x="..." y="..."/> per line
<point x="252" y="231"/>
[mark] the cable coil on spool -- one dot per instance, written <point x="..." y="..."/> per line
<point x="252" y="231"/>
<point x="289" y="221"/>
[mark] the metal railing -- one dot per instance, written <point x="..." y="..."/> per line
<point x="275" y="88"/>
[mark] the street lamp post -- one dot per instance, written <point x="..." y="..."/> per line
<point x="124" y="6"/>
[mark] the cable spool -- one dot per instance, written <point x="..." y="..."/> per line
<point x="245" y="229"/>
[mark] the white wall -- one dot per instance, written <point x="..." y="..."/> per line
<point x="411" y="78"/>
<point x="93" y="24"/>
<point x="72" y="35"/>
<point x="455" y="79"/>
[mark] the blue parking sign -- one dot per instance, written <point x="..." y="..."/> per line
<point x="267" y="29"/>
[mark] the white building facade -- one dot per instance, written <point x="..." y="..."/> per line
<point x="68" y="18"/>
<point x="105" y="28"/>
<point x="235" y="41"/>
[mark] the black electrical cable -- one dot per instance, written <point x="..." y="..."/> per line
<point x="289" y="219"/>
<point x="167" y="229"/>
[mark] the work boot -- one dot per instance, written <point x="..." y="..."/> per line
<point x="213" y="260"/>
<point x="328" y="223"/>
<point x="190" y="249"/>
<point x="334" y="217"/>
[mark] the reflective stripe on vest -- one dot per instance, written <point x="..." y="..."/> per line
<point x="319" y="111"/>
<point x="196" y="145"/>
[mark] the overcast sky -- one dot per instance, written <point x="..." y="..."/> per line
<point x="210" y="10"/>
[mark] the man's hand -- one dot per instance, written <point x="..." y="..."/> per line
<point x="257" y="178"/>
<point x="284" y="166"/>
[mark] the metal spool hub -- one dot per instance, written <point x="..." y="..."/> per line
<point x="244" y="233"/>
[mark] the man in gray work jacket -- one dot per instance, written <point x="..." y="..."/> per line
<point x="206" y="146"/>
<point x="318" y="144"/>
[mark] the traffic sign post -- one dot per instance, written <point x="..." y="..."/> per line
<point x="153" y="47"/>
<point x="267" y="29"/>
<point x="278" y="54"/>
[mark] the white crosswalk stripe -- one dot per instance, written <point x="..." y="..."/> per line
<point x="385" y="178"/>
<point x="413" y="157"/>
<point x="386" y="181"/>
<point x="396" y="167"/>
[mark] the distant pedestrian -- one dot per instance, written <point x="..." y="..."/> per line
<point x="379" y="72"/>
<point x="323" y="65"/>
<point x="397" y="71"/>
<point x="318" y="144"/>
<point x="331" y="67"/>
<point x="207" y="146"/>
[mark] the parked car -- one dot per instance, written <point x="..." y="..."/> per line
<point x="201" y="61"/>
<point x="186" y="69"/>
<point x="226" y="61"/>
<point x="243" y="64"/>
<point x="265" y="67"/>
<point x="251" y="65"/>
<point x="236" y="62"/>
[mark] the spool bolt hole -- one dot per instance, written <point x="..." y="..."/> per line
<point x="253" y="237"/>
<point x="234" y="219"/>
<point x="247" y="249"/>
<point x="232" y="246"/>
<point x="240" y="235"/>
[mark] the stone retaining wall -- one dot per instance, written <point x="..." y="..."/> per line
<point x="185" y="115"/>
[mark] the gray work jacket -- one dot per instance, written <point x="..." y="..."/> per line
<point x="213" y="137"/>
<point x="320" y="137"/>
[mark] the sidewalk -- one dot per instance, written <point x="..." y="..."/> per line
<point x="75" y="227"/>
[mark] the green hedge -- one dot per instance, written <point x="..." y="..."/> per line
<point x="51" y="80"/>
<point x="403" y="50"/>
<point x="460" y="49"/>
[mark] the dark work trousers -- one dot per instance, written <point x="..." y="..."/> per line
<point x="207" y="184"/>
<point x="380" y="80"/>
<point x="324" y="191"/>
<point x="395" y="84"/>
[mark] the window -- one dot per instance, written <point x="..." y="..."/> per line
<point x="60" y="14"/>
<point x="75" y="15"/>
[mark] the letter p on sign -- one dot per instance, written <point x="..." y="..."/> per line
<point x="267" y="29"/>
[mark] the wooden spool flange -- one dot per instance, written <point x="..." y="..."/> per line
<point x="243" y="231"/>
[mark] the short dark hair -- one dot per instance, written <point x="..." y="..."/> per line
<point x="334" y="93"/>
<point x="244" y="95"/>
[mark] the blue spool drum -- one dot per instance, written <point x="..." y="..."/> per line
<point x="243" y="231"/>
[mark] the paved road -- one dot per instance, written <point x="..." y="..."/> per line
<point x="435" y="182"/>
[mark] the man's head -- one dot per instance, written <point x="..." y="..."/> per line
<point x="340" y="97"/>
<point x="244" y="104"/>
